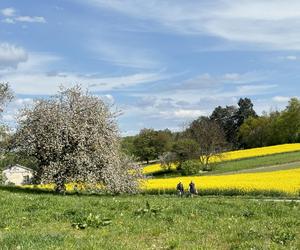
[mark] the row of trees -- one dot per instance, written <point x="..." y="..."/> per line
<point x="230" y="127"/>
<point x="204" y="137"/>
<point x="272" y="128"/>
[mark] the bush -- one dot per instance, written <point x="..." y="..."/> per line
<point x="167" y="159"/>
<point x="191" y="167"/>
<point x="91" y="221"/>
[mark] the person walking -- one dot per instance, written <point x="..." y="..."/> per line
<point x="192" y="189"/>
<point x="180" y="189"/>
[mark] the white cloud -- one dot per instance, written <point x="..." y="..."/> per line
<point x="123" y="55"/>
<point x="8" y="20"/>
<point x="44" y="84"/>
<point x="11" y="55"/>
<point x="11" y="111"/>
<point x="182" y="113"/>
<point x="11" y="17"/>
<point x="206" y="80"/>
<point x="198" y="96"/>
<point x="178" y="115"/>
<point x="37" y="76"/>
<point x="268" y="105"/>
<point x="291" y="58"/>
<point x="109" y="97"/>
<point x="30" y="19"/>
<point x="255" y="89"/>
<point x="281" y="99"/>
<point x="8" y="12"/>
<point x="262" y="23"/>
<point x="232" y="76"/>
<point x="285" y="58"/>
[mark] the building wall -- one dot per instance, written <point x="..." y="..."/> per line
<point x="17" y="176"/>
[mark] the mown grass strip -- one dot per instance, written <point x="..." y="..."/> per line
<point x="262" y="161"/>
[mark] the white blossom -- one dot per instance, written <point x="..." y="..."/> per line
<point x="75" y="138"/>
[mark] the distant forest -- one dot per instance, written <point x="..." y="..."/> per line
<point x="227" y="128"/>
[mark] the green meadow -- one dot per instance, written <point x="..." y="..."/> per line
<point x="30" y="220"/>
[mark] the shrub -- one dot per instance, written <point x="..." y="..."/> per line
<point x="190" y="167"/>
<point x="91" y="221"/>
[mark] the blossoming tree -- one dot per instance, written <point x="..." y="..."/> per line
<point x="75" y="138"/>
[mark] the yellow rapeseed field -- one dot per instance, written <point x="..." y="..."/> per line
<point x="154" y="168"/>
<point x="239" y="154"/>
<point x="69" y="186"/>
<point x="287" y="181"/>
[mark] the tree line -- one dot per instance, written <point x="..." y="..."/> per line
<point x="226" y="128"/>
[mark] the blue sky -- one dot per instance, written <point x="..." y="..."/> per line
<point x="163" y="63"/>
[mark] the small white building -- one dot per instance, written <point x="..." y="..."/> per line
<point x="17" y="175"/>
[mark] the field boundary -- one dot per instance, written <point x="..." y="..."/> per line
<point x="270" y="168"/>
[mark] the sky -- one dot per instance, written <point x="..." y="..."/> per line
<point x="162" y="63"/>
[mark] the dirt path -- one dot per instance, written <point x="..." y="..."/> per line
<point x="277" y="200"/>
<point x="284" y="166"/>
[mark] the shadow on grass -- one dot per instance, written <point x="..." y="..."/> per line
<point x="17" y="189"/>
<point x="25" y="190"/>
<point x="165" y="173"/>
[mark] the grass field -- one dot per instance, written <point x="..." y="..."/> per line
<point x="35" y="219"/>
<point x="46" y="221"/>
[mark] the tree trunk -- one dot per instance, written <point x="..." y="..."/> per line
<point x="60" y="186"/>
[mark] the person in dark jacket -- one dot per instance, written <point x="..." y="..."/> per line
<point x="192" y="189"/>
<point x="180" y="189"/>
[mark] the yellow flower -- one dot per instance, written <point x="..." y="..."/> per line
<point x="287" y="181"/>
<point x="238" y="154"/>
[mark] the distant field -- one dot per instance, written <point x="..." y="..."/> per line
<point x="46" y="221"/>
<point x="269" y="160"/>
<point x="276" y="161"/>
<point x="276" y="183"/>
<point x="246" y="159"/>
<point x="254" y="152"/>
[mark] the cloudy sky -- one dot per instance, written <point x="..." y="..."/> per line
<point x="161" y="62"/>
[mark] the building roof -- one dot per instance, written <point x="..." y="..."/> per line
<point x="19" y="166"/>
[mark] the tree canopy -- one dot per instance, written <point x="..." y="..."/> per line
<point x="209" y="137"/>
<point x="74" y="137"/>
<point x="150" y="144"/>
<point x="273" y="128"/>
